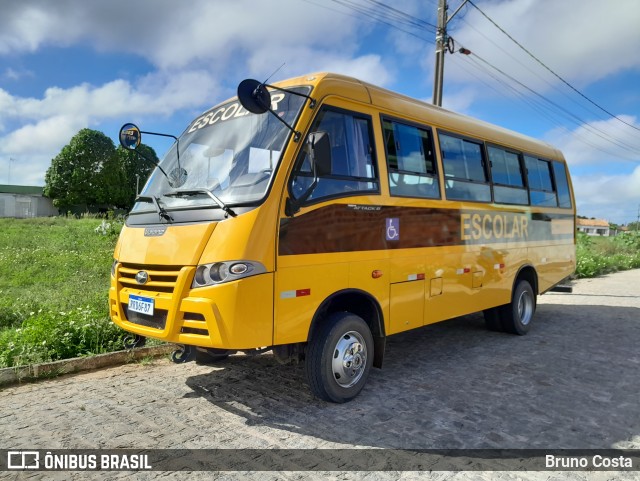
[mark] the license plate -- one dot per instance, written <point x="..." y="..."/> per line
<point x="143" y="305"/>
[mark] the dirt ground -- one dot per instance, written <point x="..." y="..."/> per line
<point x="572" y="382"/>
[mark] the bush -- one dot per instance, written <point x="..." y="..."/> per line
<point x="51" y="336"/>
<point x="601" y="255"/>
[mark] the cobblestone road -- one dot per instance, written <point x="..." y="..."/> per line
<point x="572" y="382"/>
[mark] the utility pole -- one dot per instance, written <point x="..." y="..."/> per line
<point x="11" y="159"/>
<point x="442" y="43"/>
<point x="441" y="34"/>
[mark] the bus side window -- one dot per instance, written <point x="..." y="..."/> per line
<point x="540" y="185"/>
<point x="352" y="168"/>
<point x="465" y="177"/>
<point x="562" y="185"/>
<point x="410" y="160"/>
<point x="508" y="182"/>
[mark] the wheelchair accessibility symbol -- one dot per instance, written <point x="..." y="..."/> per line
<point x="393" y="229"/>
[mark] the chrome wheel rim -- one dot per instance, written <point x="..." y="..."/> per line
<point x="349" y="359"/>
<point x="525" y="307"/>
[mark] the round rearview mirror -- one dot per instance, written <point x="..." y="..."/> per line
<point x="130" y="136"/>
<point x="254" y="96"/>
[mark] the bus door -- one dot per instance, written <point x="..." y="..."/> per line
<point x="330" y="237"/>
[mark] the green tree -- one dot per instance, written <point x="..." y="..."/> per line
<point x="135" y="171"/>
<point x="75" y="176"/>
<point x="91" y="172"/>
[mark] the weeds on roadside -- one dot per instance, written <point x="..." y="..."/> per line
<point x="602" y="255"/>
<point x="51" y="336"/>
<point x="54" y="281"/>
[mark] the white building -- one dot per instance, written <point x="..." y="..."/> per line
<point x="593" y="227"/>
<point x="22" y="201"/>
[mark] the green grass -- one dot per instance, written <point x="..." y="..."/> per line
<point x="54" y="280"/>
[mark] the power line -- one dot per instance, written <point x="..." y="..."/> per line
<point x="549" y="69"/>
<point x="550" y="104"/>
<point x="402" y="15"/>
<point x="550" y="84"/>
<point x="394" y="18"/>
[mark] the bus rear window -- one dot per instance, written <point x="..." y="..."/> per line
<point x="508" y="184"/>
<point x="540" y="184"/>
<point x="562" y="185"/>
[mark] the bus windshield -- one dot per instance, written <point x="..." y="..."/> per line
<point x="228" y="152"/>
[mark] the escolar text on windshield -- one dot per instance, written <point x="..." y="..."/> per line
<point x="229" y="111"/>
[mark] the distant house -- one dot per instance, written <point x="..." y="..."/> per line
<point x="594" y="227"/>
<point x="24" y="201"/>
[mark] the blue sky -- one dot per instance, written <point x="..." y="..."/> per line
<point x="69" y="64"/>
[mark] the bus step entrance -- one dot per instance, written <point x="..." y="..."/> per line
<point x="566" y="288"/>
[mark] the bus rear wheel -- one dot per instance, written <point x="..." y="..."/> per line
<point x="516" y="317"/>
<point x="339" y="357"/>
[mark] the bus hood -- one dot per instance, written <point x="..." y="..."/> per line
<point x="176" y="245"/>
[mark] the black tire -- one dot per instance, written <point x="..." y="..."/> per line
<point x="211" y="355"/>
<point x="492" y="319"/>
<point x="339" y="357"/>
<point x="516" y="317"/>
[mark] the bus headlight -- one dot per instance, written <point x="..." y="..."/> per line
<point x="219" y="272"/>
<point x="113" y="267"/>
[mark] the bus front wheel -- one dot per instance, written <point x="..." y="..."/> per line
<point x="516" y="317"/>
<point x="339" y="357"/>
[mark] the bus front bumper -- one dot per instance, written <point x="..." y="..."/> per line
<point x="233" y="315"/>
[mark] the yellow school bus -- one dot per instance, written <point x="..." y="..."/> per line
<point x="319" y="215"/>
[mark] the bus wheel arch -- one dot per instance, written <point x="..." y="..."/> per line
<point x="516" y="316"/>
<point x="528" y="273"/>
<point x="363" y="305"/>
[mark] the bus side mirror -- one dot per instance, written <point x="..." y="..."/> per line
<point x="318" y="148"/>
<point x="254" y="96"/>
<point x="130" y="136"/>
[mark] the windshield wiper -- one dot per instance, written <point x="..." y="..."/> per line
<point x="216" y="199"/>
<point x="155" y="201"/>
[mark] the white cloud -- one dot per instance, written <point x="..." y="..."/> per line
<point x="175" y="36"/>
<point x="42" y="126"/>
<point x="601" y="156"/>
<point x="198" y="51"/>
<point x="597" y="142"/>
<point x="15" y="75"/>
<point x="615" y="198"/>
<point x="581" y="40"/>
<point x="460" y="101"/>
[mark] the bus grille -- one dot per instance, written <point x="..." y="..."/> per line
<point x="160" y="278"/>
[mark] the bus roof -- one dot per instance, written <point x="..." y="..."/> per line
<point x="325" y="84"/>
